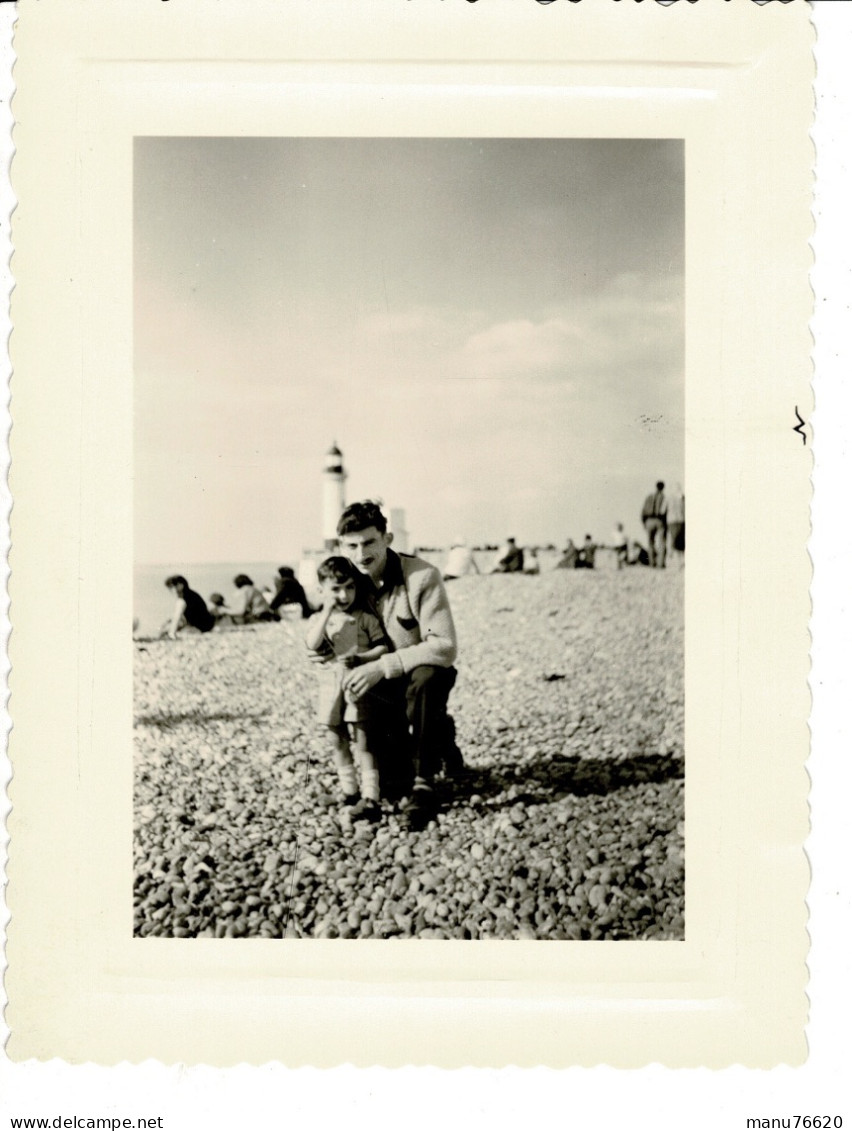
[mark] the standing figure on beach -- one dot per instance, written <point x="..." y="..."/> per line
<point x="415" y="678"/>
<point x="342" y="635"/>
<point x="190" y="610"/>
<point x="676" y="521"/>
<point x="654" y="521"/>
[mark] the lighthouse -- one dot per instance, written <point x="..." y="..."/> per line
<point x="333" y="500"/>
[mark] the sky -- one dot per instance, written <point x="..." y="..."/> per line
<point x="490" y="329"/>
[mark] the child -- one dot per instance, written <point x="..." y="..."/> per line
<point x="345" y="634"/>
<point x="218" y="609"/>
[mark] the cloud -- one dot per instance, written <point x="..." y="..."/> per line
<point x="631" y="330"/>
<point x="520" y="348"/>
<point x="416" y="321"/>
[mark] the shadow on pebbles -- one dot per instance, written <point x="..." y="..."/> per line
<point x="567" y="825"/>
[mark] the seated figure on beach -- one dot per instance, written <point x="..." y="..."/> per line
<point x="586" y="554"/>
<point x="411" y="683"/>
<point x="190" y="611"/>
<point x="460" y="560"/>
<point x="248" y="605"/>
<point x="532" y="565"/>
<point x="343" y="635"/>
<point x="510" y="559"/>
<point x="289" y="591"/>
<point x="569" y="556"/>
<point x="637" y="555"/>
<point x="620" y="545"/>
<point x="218" y="609"/>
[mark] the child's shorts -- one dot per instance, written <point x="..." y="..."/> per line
<point x="334" y="707"/>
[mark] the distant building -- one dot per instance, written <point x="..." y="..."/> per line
<point x="396" y="523"/>
<point x="333" y="496"/>
<point x="333" y="506"/>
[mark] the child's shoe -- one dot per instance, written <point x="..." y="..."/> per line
<point x="367" y="810"/>
<point x="351" y="799"/>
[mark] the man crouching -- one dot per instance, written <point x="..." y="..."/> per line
<point x="409" y="598"/>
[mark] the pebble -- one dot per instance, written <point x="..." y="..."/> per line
<point x="573" y="828"/>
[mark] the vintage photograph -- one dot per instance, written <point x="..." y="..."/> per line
<point x="409" y="538"/>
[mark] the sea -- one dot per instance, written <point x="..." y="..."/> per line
<point x="153" y="602"/>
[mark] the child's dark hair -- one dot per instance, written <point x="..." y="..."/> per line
<point x="360" y="516"/>
<point x="337" y="568"/>
<point x="175" y="580"/>
<point x="241" y="580"/>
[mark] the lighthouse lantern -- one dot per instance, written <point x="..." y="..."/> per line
<point x="333" y="498"/>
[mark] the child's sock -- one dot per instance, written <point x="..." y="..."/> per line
<point x="370" y="784"/>
<point x="348" y="780"/>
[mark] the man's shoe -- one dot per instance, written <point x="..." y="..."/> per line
<point x="367" y="810"/>
<point x="454" y="766"/>
<point x="420" y="809"/>
<point x="350" y="799"/>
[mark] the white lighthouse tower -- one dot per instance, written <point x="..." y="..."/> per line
<point x="333" y="498"/>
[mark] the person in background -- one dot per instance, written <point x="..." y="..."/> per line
<point x="460" y="560"/>
<point x="637" y="555"/>
<point x="676" y="522"/>
<point x="531" y="566"/>
<point x="586" y="554"/>
<point x="190" y="610"/>
<point x="654" y="520"/>
<point x="289" y="591"/>
<point x="510" y="559"/>
<point x="249" y="604"/>
<point x="412" y="681"/>
<point x="619" y="544"/>
<point x="217" y="608"/>
<point x="569" y="556"/>
<point x="343" y="635"/>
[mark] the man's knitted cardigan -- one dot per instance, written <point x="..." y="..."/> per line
<point x="413" y="608"/>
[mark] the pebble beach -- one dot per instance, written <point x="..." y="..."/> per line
<point x="569" y="825"/>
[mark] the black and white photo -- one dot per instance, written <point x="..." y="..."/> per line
<point x="473" y="351"/>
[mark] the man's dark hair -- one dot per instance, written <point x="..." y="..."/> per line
<point x="360" y="516"/>
<point x="286" y="571"/>
<point x="241" y="580"/>
<point x="660" y="485"/>
<point x="175" y="580"/>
